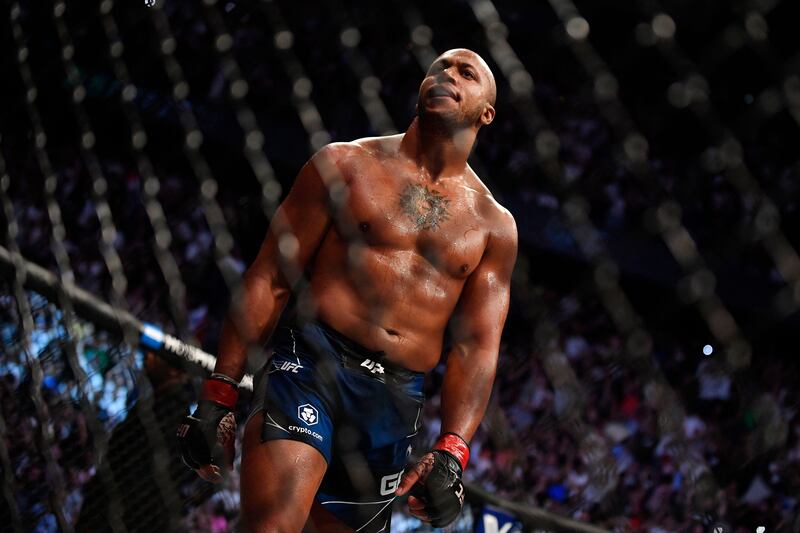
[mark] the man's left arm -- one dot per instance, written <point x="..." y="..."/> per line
<point x="477" y="327"/>
<point x="435" y="481"/>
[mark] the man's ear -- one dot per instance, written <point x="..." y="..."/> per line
<point x="488" y="115"/>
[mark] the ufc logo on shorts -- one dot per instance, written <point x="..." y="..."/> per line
<point x="390" y="483"/>
<point x="287" y="366"/>
<point x="372" y="366"/>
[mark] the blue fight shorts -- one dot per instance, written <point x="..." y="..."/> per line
<point x="360" y="411"/>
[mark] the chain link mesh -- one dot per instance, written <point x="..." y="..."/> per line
<point x="103" y="410"/>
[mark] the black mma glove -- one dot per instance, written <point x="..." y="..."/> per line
<point x="206" y="438"/>
<point x="434" y="482"/>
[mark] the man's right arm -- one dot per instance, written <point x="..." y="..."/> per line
<point x="296" y="231"/>
<point x="205" y="438"/>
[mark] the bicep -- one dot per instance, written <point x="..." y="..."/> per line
<point x="299" y="224"/>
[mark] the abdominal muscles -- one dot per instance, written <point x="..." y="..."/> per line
<point x="387" y="300"/>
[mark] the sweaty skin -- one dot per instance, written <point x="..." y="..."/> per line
<point x="419" y="240"/>
<point x="399" y="238"/>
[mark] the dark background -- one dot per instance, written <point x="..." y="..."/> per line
<point x="742" y="55"/>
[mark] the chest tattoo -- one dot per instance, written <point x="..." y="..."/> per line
<point x="426" y="207"/>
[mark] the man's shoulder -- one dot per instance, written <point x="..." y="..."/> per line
<point x="502" y="230"/>
<point x="503" y="223"/>
<point x="335" y="152"/>
<point x="364" y="147"/>
<point x="383" y="145"/>
<point x="499" y="218"/>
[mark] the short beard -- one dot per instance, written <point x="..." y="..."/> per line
<point x="438" y="122"/>
<point x="446" y="123"/>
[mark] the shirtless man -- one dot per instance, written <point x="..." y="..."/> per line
<point x="399" y="238"/>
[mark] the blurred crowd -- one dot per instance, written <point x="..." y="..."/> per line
<point x="109" y="384"/>
<point x="740" y="431"/>
<point x="116" y="382"/>
<point x="746" y="435"/>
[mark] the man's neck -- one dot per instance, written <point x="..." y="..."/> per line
<point x="437" y="151"/>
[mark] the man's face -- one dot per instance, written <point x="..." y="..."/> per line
<point x="460" y="88"/>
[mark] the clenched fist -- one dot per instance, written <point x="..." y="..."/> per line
<point x="434" y="482"/>
<point x="207" y="437"/>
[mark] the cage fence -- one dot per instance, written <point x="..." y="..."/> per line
<point x="117" y="166"/>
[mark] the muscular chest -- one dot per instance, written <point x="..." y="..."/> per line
<point x="439" y="224"/>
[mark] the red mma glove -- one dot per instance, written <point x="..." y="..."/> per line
<point x="437" y="494"/>
<point x="207" y="437"/>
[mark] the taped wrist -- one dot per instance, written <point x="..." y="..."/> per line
<point x="456" y="446"/>
<point x="221" y="390"/>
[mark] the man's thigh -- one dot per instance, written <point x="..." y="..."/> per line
<point x="321" y="521"/>
<point x="279" y="479"/>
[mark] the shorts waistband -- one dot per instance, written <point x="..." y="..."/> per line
<point x="357" y="357"/>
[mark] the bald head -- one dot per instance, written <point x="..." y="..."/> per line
<point x="469" y="57"/>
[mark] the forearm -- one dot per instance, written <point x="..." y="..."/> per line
<point x="466" y="389"/>
<point x="249" y="323"/>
